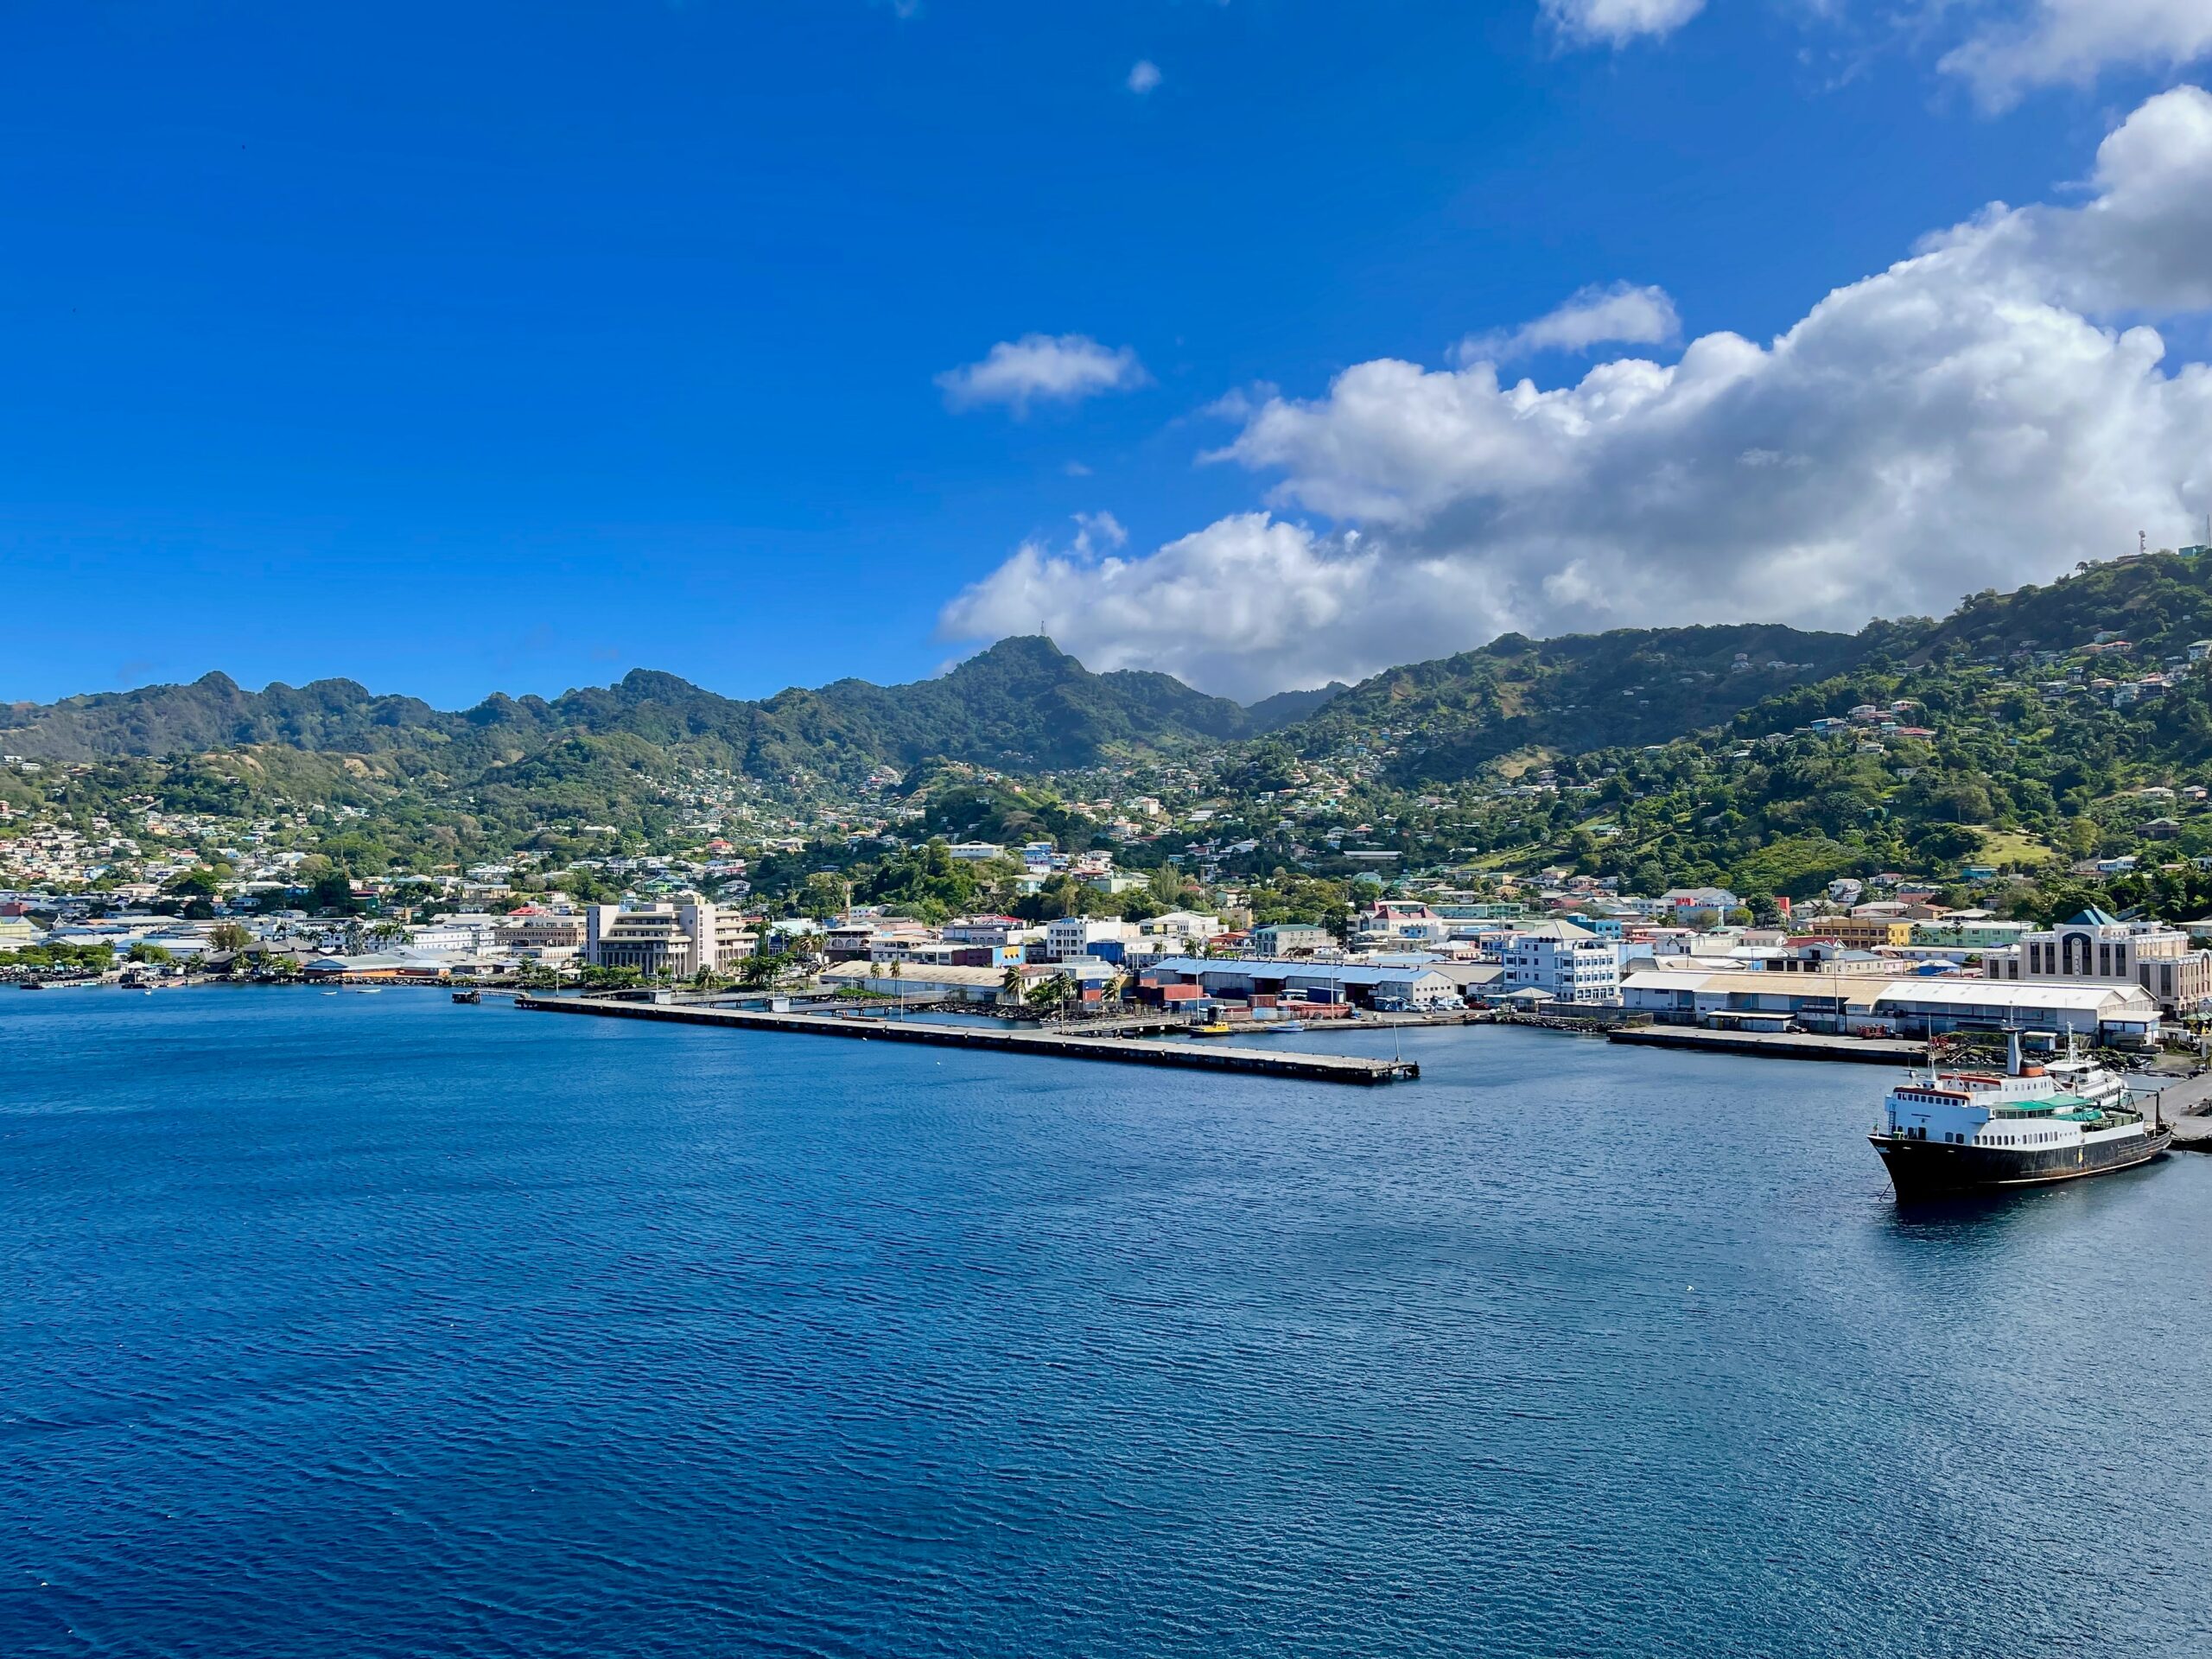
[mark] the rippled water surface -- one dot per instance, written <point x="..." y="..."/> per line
<point x="373" y="1326"/>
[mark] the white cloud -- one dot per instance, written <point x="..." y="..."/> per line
<point x="1096" y="531"/>
<point x="1236" y="607"/>
<point x="1984" y="412"/>
<point x="2046" y="43"/>
<point x="1144" y="76"/>
<point x="1042" y="368"/>
<point x="1616" y="22"/>
<point x="1622" y="314"/>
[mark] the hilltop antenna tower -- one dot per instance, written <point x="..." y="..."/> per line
<point x="2142" y="543"/>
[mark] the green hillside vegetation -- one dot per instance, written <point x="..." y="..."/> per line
<point x="2025" y="728"/>
<point x="1023" y="705"/>
<point x="2030" y="763"/>
<point x="1452" y="718"/>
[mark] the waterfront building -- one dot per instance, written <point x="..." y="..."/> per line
<point x="539" y="935"/>
<point x="924" y="982"/>
<point x="1566" y="962"/>
<point x="2095" y="946"/>
<point x="466" y="934"/>
<point x="667" y="941"/>
<point x="1920" y="1007"/>
<point x="1413" y="983"/>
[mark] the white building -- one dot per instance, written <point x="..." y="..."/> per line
<point x="1398" y="925"/>
<point x="975" y="852"/>
<point x="2115" y="1012"/>
<point x="1182" y="928"/>
<point x="468" y="934"/>
<point x="1566" y="962"/>
<point x="1071" y="936"/>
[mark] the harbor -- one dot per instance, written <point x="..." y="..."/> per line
<point x="1189" y="1055"/>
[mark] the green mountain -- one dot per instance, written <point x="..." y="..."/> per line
<point x="1023" y="705"/>
<point x="1452" y="718"/>
<point x="2026" y="731"/>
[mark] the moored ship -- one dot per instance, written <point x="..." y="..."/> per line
<point x="1959" y="1132"/>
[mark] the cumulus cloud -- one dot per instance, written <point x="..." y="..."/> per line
<point x="1096" y="531"/>
<point x="1237" y="606"/>
<point x="1616" y="22"/>
<point x="1621" y="315"/>
<point x="1144" y="76"/>
<point x="1042" y="368"/>
<point x="2045" y="43"/>
<point x="1984" y="412"/>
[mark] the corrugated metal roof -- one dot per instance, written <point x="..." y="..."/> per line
<point x="1319" y="973"/>
<point x="2019" y="994"/>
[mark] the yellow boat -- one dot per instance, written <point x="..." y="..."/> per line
<point x="1216" y="1028"/>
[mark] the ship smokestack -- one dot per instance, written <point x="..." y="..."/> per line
<point x="2013" y="1054"/>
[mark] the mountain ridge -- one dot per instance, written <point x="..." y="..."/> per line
<point x="1023" y="703"/>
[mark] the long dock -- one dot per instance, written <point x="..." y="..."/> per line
<point x="1199" y="1055"/>
<point x="1777" y="1045"/>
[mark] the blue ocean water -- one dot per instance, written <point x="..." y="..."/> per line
<point x="371" y="1325"/>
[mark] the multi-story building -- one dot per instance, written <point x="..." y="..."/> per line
<point x="1692" y="906"/>
<point x="1291" y="939"/>
<point x="1566" y="962"/>
<point x="1962" y="932"/>
<point x="540" y="935"/>
<point x="468" y="934"/>
<point x="1071" y="936"/>
<point x="1864" y="932"/>
<point x="2096" y="945"/>
<point x="666" y="941"/>
<point x="1188" y="926"/>
<point x="1398" y="925"/>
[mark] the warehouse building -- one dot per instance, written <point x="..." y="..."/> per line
<point x="2112" y="1012"/>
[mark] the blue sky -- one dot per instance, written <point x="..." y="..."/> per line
<point x="510" y="346"/>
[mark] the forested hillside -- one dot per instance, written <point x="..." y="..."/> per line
<point x="1024" y="704"/>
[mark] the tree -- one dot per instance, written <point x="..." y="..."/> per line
<point x="228" y="936"/>
<point x="824" y="895"/>
<point x="152" y="954"/>
<point x="1049" y="995"/>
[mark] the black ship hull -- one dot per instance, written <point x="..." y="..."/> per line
<point x="1936" y="1169"/>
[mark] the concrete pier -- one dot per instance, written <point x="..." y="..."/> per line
<point x="1201" y="1055"/>
<point x="1777" y="1045"/>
